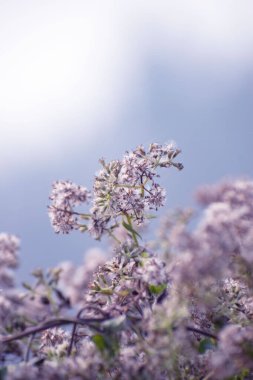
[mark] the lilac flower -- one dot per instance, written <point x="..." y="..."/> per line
<point x="234" y="352"/>
<point x="6" y="278"/>
<point x="128" y="188"/>
<point x="229" y="215"/>
<point x="156" y="197"/>
<point x="9" y="245"/>
<point x="5" y="307"/>
<point x="237" y="193"/>
<point x="185" y="313"/>
<point x="153" y="271"/>
<point x="123" y="191"/>
<point x="54" y="342"/>
<point x="65" y="196"/>
<point x="122" y="286"/>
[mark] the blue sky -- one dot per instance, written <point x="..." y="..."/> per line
<point x="85" y="79"/>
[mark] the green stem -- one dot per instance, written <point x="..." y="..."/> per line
<point x="85" y="216"/>
<point x="133" y="234"/>
<point x="114" y="237"/>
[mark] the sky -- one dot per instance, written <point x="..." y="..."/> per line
<point x="80" y="80"/>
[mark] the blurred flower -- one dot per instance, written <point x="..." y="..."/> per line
<point x="9" y="245"/>
<point x="234" y="352"/>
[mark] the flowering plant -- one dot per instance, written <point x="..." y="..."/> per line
<point x="179" y="307"/>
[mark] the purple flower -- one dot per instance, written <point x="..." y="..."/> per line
<point x="65" y="196"/>
<point x="128" y="188"/>
<point x="9" y="245"/>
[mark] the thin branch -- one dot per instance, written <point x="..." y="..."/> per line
<point x="111" y="234"/>
<point x="70" y="212"/>
<point x="198" y="331"/>
<point x="73" y="333"/>
<point x="50" y="324"/>
<point x="29" y="347"/>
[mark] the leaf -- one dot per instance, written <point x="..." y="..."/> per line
<point x="123" y="293"/>
<point x="245" y="372"/>
<point x="145" y="255"/>
<point x="130" y="229"/>
<point x="204" y="345"/>
<point x="27" y="286"/>
<point x="83" y="228"/>
<point x="157" y="289"/>
<point x="106" y="291"/>
<point x="85" y="216"/>
<point x="99" y="341"/>
<point x="150" y="216"/>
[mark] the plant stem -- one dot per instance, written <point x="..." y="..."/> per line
<point x="50" y="324"/>
<point x="133" y="233"/>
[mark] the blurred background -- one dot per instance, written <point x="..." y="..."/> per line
<point x="80" y="80"/>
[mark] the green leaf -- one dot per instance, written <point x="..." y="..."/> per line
<point x="157" y="289"/>
<point x="150" y="216"/>
<point x="27" y="286"/>
<point x="85" y="216"/>
<point x="204" y="345"/>
<point x="145" y="255"/>
<point x="130" y="229"/>
<point x="242" y="376"/>
<point x="245" y="372"/>
<point x="83" y="228"/>
<point x="106" y="291"/>
<point x="99" y="341"/>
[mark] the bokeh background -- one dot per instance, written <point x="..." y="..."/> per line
<point x="80" y="80"/>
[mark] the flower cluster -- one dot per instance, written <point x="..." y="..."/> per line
<point x="9" y="299"/>
<point x="177" y="308"/>
<point x="65" y="196"/>
<point x="123" y="286"/>
<point x="9" y="245"/>
<point x="54" y="342"/>
<point x="124" y="191"/>
<point x="234" y="351"/>
<point x="229" y="213"/>
<point x="128" y="188"/>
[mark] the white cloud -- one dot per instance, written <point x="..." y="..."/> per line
<point x="63" y="61"/>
